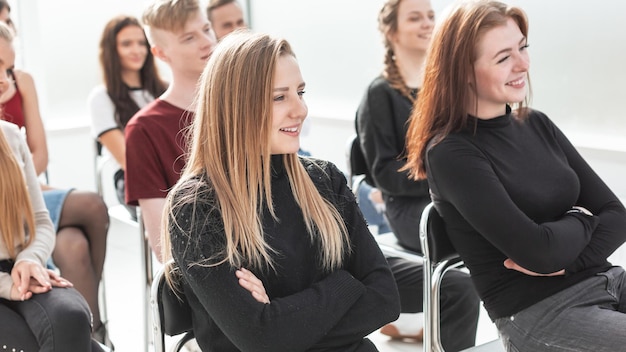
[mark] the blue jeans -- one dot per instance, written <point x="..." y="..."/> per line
<point x="370" y="213"/>
<point x="589" y="316"/>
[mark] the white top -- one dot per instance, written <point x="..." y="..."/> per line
<point x="102" y="110"/>
<point x="39" y="250"/>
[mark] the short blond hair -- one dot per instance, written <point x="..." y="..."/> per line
<point x="168" y="15"/>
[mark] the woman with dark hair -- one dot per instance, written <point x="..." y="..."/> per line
<point x="530" y="218"/>
<point x="131" y="81"/>
<point x="381" y="124"/>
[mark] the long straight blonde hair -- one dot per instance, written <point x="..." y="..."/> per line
<point x="231" y="145"/>
<point x="17" y="220"/>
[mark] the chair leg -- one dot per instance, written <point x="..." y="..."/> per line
<point x="146" y="263"/>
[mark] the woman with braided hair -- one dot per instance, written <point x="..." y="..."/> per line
<point x="381" y="118"/>
<point x="381" y="124"/>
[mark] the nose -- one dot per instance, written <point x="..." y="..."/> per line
<point x="299" y="110"/>
<point x="5" y="78"/>
<point x="428" y="22"/>
<point x="523" y="62"/>
<point x="210" y="40"/>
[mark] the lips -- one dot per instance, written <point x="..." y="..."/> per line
<point x="289" y="129"/>
<point x="517" y="83"/>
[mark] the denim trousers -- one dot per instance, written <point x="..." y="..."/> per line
<point x="58" y="320"/>
<point x="589" y="316"/>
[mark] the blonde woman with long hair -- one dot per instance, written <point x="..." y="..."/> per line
<point x="39" y="310"/>
<point x="270" y="248"/>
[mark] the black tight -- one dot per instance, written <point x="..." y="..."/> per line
<point x="81" y="245"/>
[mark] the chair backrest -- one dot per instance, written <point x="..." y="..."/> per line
<point x="356" y="159"/>
<point x="170" y="311"/>
<point x="439" y="257"/>
<point x="439" y="245"/>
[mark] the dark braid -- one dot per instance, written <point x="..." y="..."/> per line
<point x="388" y="25"/>
<point x="392" y="74"/>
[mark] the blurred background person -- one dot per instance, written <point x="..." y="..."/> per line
<point x="80" y="217"/>
<point x="225" y="16"/>
<point x="130" y="81"/>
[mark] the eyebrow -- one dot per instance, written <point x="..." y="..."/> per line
<point x="508" y="49"/>
<point x="285" y="89"/>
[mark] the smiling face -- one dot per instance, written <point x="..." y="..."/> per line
<point x="132" y="48"/>
<point x="416" y="20"/>
<point x="501" y="70"/>
<point x="7" y="60"/>
<point x="288" y="107"/>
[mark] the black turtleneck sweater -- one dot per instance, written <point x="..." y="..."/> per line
<point x="504" y="191"/>
<point x="310" y="310"/>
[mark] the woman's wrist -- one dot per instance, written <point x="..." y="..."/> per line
<point x="580" y="210"/>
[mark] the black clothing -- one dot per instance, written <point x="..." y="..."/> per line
<point x="381" y="125"/>
<point x="310" y="310"/>
<point x="504" y="191"/>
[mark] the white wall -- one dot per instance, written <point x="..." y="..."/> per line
<point x="577" y="51"/>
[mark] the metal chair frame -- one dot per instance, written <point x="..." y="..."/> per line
<point x="171" y="314"/>
<point x="120" y="213"/>
<point x="439" y="257"/>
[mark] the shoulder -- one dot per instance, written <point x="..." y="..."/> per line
<point x="324" y="173"/>
<point x="379" y="85"/>
<point x="9" y="129"/>
<point x="98" y="95"/>
<point x="24" y="80"/>
<point x="540" y="122"/>
<point x="193" y="198"/>
<point x="13" y="136"/>
<point x="451" y="146"/>
<point x="98" y="92"/>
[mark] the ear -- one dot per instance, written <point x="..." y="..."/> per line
<point x="159" y="53"/>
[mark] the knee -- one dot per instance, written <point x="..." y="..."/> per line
<point x="95" y="205"/>
<point x="87" y="205"/>
<point x="72" y="243"/>
<point x="458" y="289"/>
<point x="68" y="312"/>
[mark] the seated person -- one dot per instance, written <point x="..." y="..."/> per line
<point x="264" y="240"/>
<point x="155" y="137"/>
<point x="129" y="84"/>
<point x="530" y="218"/>
<point x="80" y="218"/>
<point x="39" y="310"/>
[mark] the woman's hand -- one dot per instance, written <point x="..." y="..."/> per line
<point x="510" y="264"/>
<point x="251" y="283"/>
<point x="32" y="278"/>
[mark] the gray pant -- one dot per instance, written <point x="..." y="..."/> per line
<point x="589" y="316"/>
<point x="58" y="320"/>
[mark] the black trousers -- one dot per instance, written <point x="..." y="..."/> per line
<point x="459" y="301"/>
<point x="403" y="215"/>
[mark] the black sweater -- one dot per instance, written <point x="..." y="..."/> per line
<point x="381" y="125"/>
<point x="310" y="310"/>
<point x="504" y="192"/>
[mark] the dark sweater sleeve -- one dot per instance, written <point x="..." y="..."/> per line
<point x="380" y="303"/>
<point x="382" y="147"/>
<point x="463" y="176"/>
<point x="595" y="196"/>
<point x="291" y="323"/>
